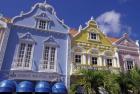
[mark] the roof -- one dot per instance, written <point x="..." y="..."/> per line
<point x="73" y="32"/>
<point x="5" y="19"/>
<point x="112" y="39"/>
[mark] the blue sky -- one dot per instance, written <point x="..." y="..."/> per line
<point x="115" y="17"/>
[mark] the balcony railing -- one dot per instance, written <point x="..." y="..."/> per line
<point x="21" y="64"/>
<point x="77" y="67"/>
<point x="45" y="66"/>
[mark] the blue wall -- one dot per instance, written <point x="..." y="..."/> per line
<point x="25" y="23"/>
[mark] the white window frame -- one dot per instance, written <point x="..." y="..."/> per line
<point x="108" y="63"/>
<point x="42" y="25"/>
<point x="15" y="67"/>
<point x="90" y="38"/>
<point x="42" y="60"/>
<point x="132" y="65"/>
<point x="2" y="33"/>
<point x="75" y="58"/>
<point x="94" y="60"/>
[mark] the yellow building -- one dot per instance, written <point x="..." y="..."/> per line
<point x="91" y="49"/>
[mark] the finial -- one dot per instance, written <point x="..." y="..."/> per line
<point x="1" y="15"/>
<point x="91" y="18"/>
<point x="21" y="13"/>
<point x="125" y="35"/>
<point x="62" y="20"/>
<point x="80" y="27"/>
<point x="45" y="1"/>
<point x="137" y="43"/>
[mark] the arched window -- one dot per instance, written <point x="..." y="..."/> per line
<point x="108" y="59"/>
<point x="93" y="56"/>
<point x="77" y="53"/>
<point x="129" y="62"/>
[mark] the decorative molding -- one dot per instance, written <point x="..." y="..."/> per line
<point x="51" y="42"/>
<point x="27" y="37"/>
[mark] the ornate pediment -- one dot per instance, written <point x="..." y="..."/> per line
<point x="126" y="41"/>
<point x="27" y="38"/>
<point x="108" y="53"/>
<point x="78" y="49"/>
<point x="51" y="41"/>
<point x="94" y="51"/>
<point x="43" y="16"/>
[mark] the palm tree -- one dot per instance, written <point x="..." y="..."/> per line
<point x="124" y="82"/>
<point x="135" y="77"/>
<point x="111" y="84"/>
<point x="94" y="79"/>
<point x="130" y="81"/>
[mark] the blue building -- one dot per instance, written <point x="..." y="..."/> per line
<point x="38" y="51"/>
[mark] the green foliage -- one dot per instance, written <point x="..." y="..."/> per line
<point x="124" y="82"/>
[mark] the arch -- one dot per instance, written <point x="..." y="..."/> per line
<point x="78" y="49"/>
<point x="108" y="53"/>
<point x="128" y="57"/>
<point x="93" y="51"/>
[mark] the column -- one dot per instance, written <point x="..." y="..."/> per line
<point x="89" y="61"/>
<point x="100" y="61"/>
<point x="104" y="61"/>
<point x="84" y="59"/>
<point x="114" y="63"/>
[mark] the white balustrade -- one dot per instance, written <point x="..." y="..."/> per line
<point x="77" y="67"/>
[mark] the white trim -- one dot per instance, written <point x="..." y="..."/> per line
<point x="49" y="57"/>
<point x="27" y="27"/>
<point x="25" y="52"/>
<point x="2" y="37"/>
<point x="75" y="58"/>
<point x="32" y="9"/>
<point x="78" y="47"/>
<point x="97" y="37"/>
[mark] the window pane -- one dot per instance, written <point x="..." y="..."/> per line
<point x="28" y="55"/>
<point x="94" y="60"/>
<point x="129" y="65"/>
<point x="93" y="36"/>
<point x="77" y="58"/>
<point x="109" y="62"/>
<point x="46" y="57"/>
<point x="42" y="24"/>
<point x="21" y="55"/>
<point x="52" y="58"/>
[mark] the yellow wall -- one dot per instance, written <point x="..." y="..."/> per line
<point x="83" y="35"/>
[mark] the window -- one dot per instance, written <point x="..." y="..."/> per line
<point x="77" y="58"/>
<point x="93" y="36"/>
<point x="42" y="24"/>
<point x="129" y="65"/>
<point x="94" y="60"/>
<point x="24" y="55"/>
<point x="49" y="57"/>
<point x="109" y="62"/>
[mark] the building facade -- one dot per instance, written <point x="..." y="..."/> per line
<point x="4" y="34"/>
<point x="38" y="48"/>
<point x="91" y="49"/>
<point x="128" y="50"/>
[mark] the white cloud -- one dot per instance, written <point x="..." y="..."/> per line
<point x="110" y="22"/>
